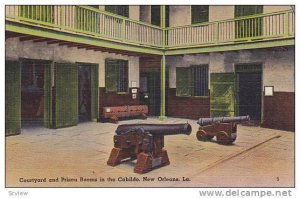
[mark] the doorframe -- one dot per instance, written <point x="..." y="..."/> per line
<point x="96" y="85"/>
<point x="262" y="86"/>
<point x="48" y="65"/>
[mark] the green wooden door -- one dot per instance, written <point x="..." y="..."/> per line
<point x="222" y="94"/>
<point x="66" y="95"/>
<point x="12" y="98"/>
<point x="48" y="100"/>
<point x="94" y="93"/>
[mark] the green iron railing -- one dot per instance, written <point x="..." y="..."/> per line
<point x="94" y="22"/>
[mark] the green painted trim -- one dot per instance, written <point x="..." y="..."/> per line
<point x="162" y="118"/>
<point x="82" y="39"/>
<point x="163" y="16"/>
<point x="120" y="17"/>
<point x="232" y="47"/>
<point x="163" y="86"/>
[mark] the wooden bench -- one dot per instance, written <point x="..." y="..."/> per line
<point x="116" y="112"/>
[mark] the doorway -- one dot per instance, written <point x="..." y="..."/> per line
<point x="88" y="98"/>
<point x="32" y="93"/>
<point x="150" y="91"/>
<point x="84" y="93"/>
<point x="249" y="91"/>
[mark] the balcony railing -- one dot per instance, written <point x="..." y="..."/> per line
<point x="93" y="22"/>
<point x="256" y="27"/>
<point x="89" y="21"/>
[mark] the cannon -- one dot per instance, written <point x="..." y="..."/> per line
<point x="145" y="143"/>
<point x="224" y="128"/>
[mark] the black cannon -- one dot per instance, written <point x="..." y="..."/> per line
<point x="224" y="128"/>
<point x="144" y="142"/>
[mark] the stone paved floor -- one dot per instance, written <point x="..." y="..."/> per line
<point x="82" y="151"/>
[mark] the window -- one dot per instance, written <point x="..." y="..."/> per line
<point x="200" y="14"/>
<point x="122" y="10"/>
<point x="192" y="81"/>
<point x="246" y="10"/>
<point x="116" y="75"/>
<point x="248" y="27"/>
<point x="155" y="15"/>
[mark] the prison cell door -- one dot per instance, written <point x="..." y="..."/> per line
<point x="12" y="98"/>
<point x="66" y="95"/>
<point x="222" y="94"/>
<point x="249" y="91"/>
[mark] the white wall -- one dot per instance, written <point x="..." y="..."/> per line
<point x="180" y="15"/>
<point x="28" y="49"/>
<point x="278" y="65"/>
<point x="134" y="12"/>
<point x="217" y="13"/>
<point x="274" y="8"/>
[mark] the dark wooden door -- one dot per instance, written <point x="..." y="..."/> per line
<point x="12" y="98"/>
<point x="249" y="95"/>
<point x="150" y="91"/>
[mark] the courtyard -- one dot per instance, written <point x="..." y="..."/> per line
<point x="77" y="156"/>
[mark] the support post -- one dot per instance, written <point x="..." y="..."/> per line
<point x="163" y="88"/>
<point x="163" y="68"/>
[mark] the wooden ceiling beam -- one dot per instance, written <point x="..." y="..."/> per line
<point x="41" y="40"/>
<point x="54" y="42"/>
<point x="28" y="38"/>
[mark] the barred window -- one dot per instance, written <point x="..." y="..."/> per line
<point x="200" y="80"/>
<point x="192" y="81"/>
<point x="116" y="75"/>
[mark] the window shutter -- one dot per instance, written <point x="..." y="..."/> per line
<point x="111" y="75"/>
<point x="183" y="81"/>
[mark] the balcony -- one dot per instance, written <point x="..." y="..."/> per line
<point x="244" y="29"/>
<point x="91" y="22"/>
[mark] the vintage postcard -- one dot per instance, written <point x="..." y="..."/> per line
<point x="150" y="96"/>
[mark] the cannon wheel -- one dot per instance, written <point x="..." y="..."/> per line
<point x="223" y="138"/>
<point x="202" y="136"/>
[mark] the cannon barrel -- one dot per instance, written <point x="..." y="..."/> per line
<point x="209" y="121"/>
<point x="156" y="129"/>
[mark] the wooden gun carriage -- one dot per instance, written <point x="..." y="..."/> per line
<point x="224" y="128"/>
<point x="145" y="143"/>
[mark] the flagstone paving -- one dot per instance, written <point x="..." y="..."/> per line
<point x="82" y="151"/>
